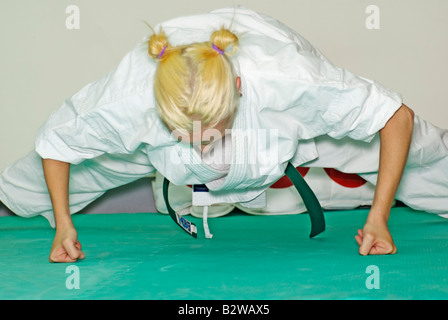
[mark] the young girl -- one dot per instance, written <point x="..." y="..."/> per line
<point x="195" y="86"/>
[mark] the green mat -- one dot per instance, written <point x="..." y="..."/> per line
<point x="146" y="256"/>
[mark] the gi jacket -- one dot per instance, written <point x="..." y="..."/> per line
<point x="291" y="94"/>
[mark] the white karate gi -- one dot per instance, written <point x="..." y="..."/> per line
<point x="311" y="112"/>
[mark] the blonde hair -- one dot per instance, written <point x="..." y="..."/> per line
<point x="196" y="81"/>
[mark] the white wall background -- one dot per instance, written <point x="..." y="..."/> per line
<point x="42" y="62"/>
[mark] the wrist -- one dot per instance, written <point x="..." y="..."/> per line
<point x="378" y="217"/>
<point x="63" y="221"/>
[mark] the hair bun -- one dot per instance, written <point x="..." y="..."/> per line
<point x="225" y="40"/>
<point x="158" y="45"/>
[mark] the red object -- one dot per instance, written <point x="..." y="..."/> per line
<point x="348" y="180"/>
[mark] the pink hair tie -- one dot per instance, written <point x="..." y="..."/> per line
<point x="221" y="52"/>
<point x="162" y="52"/>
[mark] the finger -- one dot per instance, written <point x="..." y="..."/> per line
<point x="81" y="254"/>
<point x="359" y="237"/>
<point x="73" y="252"/>
<point x="62" y="256"/>
<point x="394" y="251"/>
<point x="366" y="245"/>
<point x="383" y="248"/>
<point x="358" y="240"/>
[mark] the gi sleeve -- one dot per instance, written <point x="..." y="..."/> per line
<point x="106" y="116"/>
<point x="336" y="102"/>
<point x="361" y="107"/>
<point x="317" y="97"/>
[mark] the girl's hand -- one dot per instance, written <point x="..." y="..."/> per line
<point x="66" y="247"/>
<point x="375" y="238"/>
<point x="395" y="139"/>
